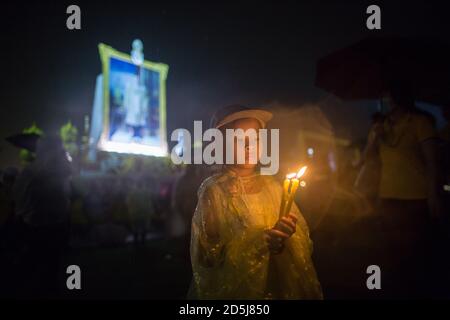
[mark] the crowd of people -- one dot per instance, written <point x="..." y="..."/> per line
<point x="46" y="209"/>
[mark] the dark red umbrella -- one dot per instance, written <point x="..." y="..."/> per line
<point x="24" y="141"/>
<point x="365" y="69"/>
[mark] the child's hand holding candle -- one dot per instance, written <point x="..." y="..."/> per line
<point x="285" y="226"/>
<point x="283" y="229"/>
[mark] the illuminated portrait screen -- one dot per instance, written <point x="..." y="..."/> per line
<point x="134" y="107"/>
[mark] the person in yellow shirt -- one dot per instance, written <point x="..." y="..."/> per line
<point x="409" y="198"/>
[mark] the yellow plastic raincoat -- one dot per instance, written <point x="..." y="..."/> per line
<point x="238" y="264"/>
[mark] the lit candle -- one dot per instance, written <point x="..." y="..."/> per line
<point x="295" y="182"/>
<point x="284" y="198"/>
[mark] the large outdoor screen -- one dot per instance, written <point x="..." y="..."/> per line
<point x="134" y="105"/>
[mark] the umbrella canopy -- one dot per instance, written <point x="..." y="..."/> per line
<point x="365" y="69"/>
<point x="26" y="141"/>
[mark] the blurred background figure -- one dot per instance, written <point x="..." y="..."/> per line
<point x="7" y="180"/>
<point x="140" y="209"/>
<point x="444" y="135"/>
<point x="42" y="199"/>
<point x="184" y="198"/>
<point x="405" y="144"/>
<point x="7" y="234"/>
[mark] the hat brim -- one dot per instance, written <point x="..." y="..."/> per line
<point x="262" y="116"/>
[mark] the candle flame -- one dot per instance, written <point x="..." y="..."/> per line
<point x="290" y="175"/>
<point x="301" y="172"/>
<point x="302" y="184"/>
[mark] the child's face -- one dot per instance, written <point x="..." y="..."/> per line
<point x="246" y="124"/>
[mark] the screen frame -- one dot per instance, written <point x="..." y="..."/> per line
<point x="104" y="143"/>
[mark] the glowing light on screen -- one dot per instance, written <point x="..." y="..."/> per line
<point x="132" y="148"/>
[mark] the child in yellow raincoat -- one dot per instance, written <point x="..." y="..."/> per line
<point x="240" y="249"/>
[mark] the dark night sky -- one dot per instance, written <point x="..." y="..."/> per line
<point x="217" y="53"/>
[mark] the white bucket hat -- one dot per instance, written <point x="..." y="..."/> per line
<point x="231" y="113"/>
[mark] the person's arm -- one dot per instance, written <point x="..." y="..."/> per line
<point x="283" y="230"/>
<point x="206" y="238"/>
<point x="427" y="137"/>
<point x="429" y="149"/>
<point x="371" y="149"/>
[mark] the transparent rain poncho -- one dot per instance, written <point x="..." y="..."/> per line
<point x="237" y="264"/>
